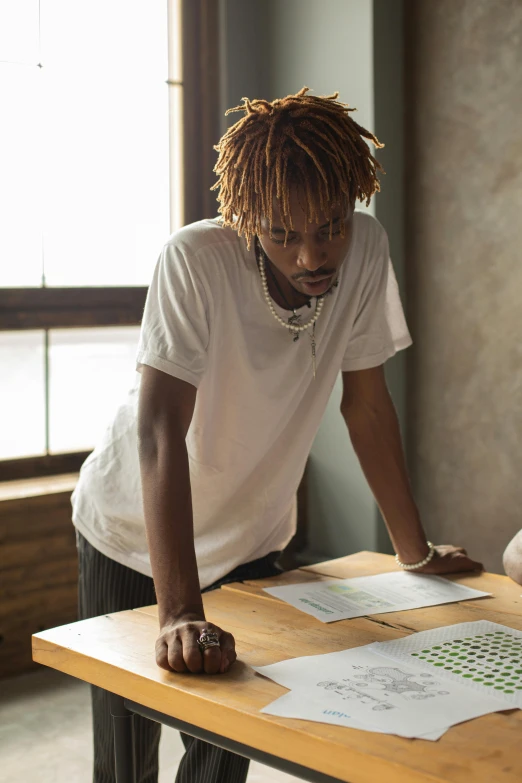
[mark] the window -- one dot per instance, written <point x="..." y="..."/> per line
<point x="91" y="155"/>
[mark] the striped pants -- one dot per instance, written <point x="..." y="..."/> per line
<point x="106" y="586"/>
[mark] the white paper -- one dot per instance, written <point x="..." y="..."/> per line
<point x="295" y="705"/>
<point x="367" y="595"/>
<point x="369" y="689"/>
<point x="486" y="656"/>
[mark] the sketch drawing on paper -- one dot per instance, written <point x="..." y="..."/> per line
<point x="378" y="683"/>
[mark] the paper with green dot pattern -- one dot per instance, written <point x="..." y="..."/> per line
<point x="483" y="655"/>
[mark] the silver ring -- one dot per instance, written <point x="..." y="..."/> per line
<point x="208" y="639"/>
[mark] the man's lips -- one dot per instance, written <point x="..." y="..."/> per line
<point x="318" y="285"/>
<point x="315" y="279"/>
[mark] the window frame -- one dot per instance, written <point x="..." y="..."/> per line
<point x="61" y="308"/>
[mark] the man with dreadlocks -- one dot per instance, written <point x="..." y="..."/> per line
<point x="249" y="319"/>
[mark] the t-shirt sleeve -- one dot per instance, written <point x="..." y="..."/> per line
<point x="175" y="328"/>
<point x="380" y="328"/>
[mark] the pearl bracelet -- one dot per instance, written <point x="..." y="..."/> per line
<point x="414" y="566"/>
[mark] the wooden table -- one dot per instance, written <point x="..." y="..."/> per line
<point x="116" y="652"/>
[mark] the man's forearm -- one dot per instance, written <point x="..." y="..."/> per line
<point x="375" y="435"/>
<point x="167" y="505"/>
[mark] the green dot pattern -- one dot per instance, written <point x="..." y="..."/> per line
<point x="494" y="660"/>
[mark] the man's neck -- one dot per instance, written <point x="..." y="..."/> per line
<point x="281" y="291"/>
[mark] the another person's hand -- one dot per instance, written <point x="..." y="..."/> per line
<point x="177" y="647"/>
<point x="512" y="558"/>
<point x="449" y="560"/>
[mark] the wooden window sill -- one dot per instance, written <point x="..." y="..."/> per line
<point x="37" y="487"/>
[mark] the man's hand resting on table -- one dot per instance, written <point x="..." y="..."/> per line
<point x="177" y="647"/>
<point x="166" y="407"/>
<point x="449" y="560"/>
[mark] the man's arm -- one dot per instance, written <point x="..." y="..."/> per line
<point x="372" y="422"/>
<point x="166" y="407"/>
<point x="513" y="558"/>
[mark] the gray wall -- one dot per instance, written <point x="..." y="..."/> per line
<point x="388" y="100"/>
<point x="244" y="42"/>
<point x="465" y="269"/>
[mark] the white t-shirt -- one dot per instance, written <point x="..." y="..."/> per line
<point x="258" y="406"/>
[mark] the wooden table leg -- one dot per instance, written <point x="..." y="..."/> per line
<point x="123" y="722"/>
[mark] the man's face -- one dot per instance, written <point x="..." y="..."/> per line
<point x="311" y="260"/>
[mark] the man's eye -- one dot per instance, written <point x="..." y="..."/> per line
<point x="334" y="234"/>
<point x="282" y="241"/>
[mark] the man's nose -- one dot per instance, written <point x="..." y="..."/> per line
<point x="311" y="258"/>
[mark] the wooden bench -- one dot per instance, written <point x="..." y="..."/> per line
<point x="38" y="565"/>
<point x="116" y="652"/>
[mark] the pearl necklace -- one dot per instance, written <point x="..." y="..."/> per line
<point x="291" y="324"/>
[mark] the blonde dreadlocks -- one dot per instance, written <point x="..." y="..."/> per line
<point x="301" y="140"/>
